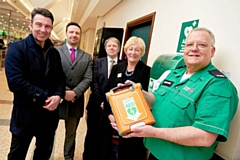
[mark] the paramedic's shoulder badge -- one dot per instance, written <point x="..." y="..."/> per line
<point x="167" y="83"/>
<point x="217" y="73"/>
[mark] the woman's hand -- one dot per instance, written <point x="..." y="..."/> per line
<point x="126" y="82"/>
<point x="112" y="122"/>
<point x="129" y="82"/>
<point x="102" y="105"/>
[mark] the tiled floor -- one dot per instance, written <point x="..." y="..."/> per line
<point x="5" y="114"/>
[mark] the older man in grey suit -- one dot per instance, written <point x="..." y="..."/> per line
<point x="77" y="66"/>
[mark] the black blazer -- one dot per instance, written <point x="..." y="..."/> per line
<point x="99" y="82"/>
<point x="141" y="75"/>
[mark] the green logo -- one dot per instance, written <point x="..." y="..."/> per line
<point x="131" y="109"/>
<point x="185" y="30"/>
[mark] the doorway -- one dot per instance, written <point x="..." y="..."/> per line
<point x="141" y="27"/>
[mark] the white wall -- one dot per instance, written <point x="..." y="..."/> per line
<point x="220" y="16"/>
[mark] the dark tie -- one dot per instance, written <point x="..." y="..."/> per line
<point x="111" y="65"/>
<point x="72" y="54"/>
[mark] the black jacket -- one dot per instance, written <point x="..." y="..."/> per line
<point x="32" y="79"/>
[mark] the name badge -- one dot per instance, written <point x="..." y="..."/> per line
<point x="167" y="83"/>
<point x="119" y="75"/>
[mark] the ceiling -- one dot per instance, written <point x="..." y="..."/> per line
<point x="10" y="16"/>
<point x="84" y="12"/>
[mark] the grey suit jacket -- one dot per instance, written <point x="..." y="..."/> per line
<point x="79" y="78"/>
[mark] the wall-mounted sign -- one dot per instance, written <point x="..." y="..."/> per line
<point x="185" y="30"/>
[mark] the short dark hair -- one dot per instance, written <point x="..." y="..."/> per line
<point x="73" y="24"/>
<point x="42" y="11"/>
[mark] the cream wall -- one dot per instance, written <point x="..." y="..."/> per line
<point x="87" y="43"/>
<point x="220" y="16"/>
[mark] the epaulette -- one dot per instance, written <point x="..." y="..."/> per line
<point x="217" y="73"/>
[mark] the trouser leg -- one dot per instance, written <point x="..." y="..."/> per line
<point x="92" y="135"/>
<point x="19" y="147"/>
<point x="71" y="125"/>
<point x="44" y="145"/>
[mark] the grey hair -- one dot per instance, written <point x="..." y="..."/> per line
<point x="112" y="39"/>
<point x="207" y="30"/>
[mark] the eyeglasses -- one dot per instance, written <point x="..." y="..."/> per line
<point x="199" y="45"/>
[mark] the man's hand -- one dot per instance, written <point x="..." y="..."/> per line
<point x="187" y="135"/>
<point x="70" y="96"/>
<point x="52" y="103"/>
<point x="142" y="131"/>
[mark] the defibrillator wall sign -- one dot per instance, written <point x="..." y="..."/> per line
<point x="185" y="30"/>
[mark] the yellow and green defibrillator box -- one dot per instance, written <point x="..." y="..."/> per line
<point x="129" y="107"/>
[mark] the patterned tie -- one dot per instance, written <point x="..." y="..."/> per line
<point x="111" y="65"/>
<point x="72" y="54"/>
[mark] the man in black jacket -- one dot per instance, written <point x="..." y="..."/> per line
<point x="36" y="78"/>
<point x="98" y="125"/>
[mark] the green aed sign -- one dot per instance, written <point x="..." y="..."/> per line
<point x="185" y="30"/>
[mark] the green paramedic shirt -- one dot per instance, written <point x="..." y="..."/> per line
<point x="207" y="100"/>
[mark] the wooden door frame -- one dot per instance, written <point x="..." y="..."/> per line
<point x="130" y="25"/>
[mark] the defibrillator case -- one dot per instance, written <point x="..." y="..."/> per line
<point x="129" y="107"/>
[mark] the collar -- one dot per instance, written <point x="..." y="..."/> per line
<point x="32" y="42"/>
<point x="115" y="59"/>
<point x="69" y="47"/>
<point x="194" y="77"/>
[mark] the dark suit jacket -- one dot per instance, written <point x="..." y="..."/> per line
<point x="32" y="79"/>
<point x="79" y="77"/>
<point x="98" y="125"/>
<point x="99" y="82"/>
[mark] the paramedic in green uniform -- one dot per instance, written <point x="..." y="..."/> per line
<point x="193" y="106"/>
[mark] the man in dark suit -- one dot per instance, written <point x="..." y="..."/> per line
<point x="95" y="146"/>
<point x="77" y="66"/>
<point x="35" y="76"/>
